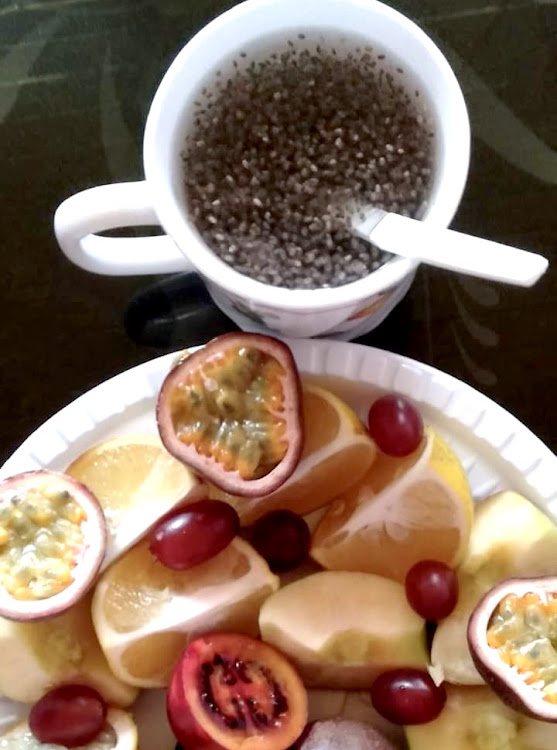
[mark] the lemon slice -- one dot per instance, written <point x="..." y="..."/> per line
<point x="120" y="733"/>
<point x="145" y="614"/>
<point x="337" y="453"/>
<point x="136" y="481"/>
<point x="404" y="511"/>
<point x="36" y="656"/>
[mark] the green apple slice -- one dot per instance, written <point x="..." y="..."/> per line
<point x="475" y="719"/>
<point x="342" y="628"/>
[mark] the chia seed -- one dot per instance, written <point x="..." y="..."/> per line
<point x="290" y="145"/>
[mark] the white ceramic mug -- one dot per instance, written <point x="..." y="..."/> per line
<point x="346" y="311"/>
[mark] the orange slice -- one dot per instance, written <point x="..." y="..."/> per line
<point x="136" y="481"/>
<point x="404" y="511"/>
<point x="145" y="614"/>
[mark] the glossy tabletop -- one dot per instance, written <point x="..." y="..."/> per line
<point x="76" y="80"/>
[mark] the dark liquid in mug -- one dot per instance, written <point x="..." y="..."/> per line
<point x="289" y="139"/>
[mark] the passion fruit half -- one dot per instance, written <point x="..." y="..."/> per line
<point x="52" y="542"/>
<point x="512" y="636"/>
<point x="232" y="411"/>
<point x="232" y="692"/>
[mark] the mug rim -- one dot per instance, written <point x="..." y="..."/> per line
<point x="257" y="293"/>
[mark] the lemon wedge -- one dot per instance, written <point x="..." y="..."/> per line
<point x="145" y="614"/>
<point x="405" y="510"/>
<point x="136" y="481"/>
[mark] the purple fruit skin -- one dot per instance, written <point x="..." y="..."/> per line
<point x="498" y="680"/>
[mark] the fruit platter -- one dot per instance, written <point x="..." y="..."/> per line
<point x="268" y="545"/>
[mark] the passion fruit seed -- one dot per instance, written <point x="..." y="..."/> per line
<point x="229" y="410"/>
<point x="236" y="709"/>
<point x="40" y="539"/>
<point x="523" y="630"/>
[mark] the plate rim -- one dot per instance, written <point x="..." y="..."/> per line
<point x="421" y="382"/>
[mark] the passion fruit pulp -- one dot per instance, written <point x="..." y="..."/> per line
<point x="512" y="636"/>
<point x="232" y="692"/>
<point x="232" y="411"/>
<point x="52" y="542"/>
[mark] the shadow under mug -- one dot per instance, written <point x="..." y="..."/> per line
<point x="344" y="312"/>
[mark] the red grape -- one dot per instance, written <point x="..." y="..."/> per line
<point x="396" y="425"/>
<point x="194" y="533"/>
<point x="432" y="589"/>
<point x="407" y="696"/>
<point x="282" y="538"/>
<point x="70" y="715"/>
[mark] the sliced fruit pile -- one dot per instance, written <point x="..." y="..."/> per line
<point x="279" y="575"/>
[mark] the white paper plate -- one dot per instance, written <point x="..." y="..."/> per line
<point x="498" y="451"/>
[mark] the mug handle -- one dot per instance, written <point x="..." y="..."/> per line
<point x="98" y="209"/>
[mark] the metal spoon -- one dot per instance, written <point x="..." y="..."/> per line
<point x="446" y="248"/>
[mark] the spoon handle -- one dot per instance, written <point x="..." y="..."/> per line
<point x="455" y="251"/>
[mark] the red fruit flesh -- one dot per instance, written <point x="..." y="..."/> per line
<point x="232" y="692"/>
<point x="192" y="534"/>
<point x="407" y="696"/>
<point x="232" y="411"/>
<point x="54" y="540"/>
<point x="432" y="589"/>
<point x="395" y="425"/>
<point x="71" y="715"/>
<point x="282" y="538"/>
<point x="510" y="636"/>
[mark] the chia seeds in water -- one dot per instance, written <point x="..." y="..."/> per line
<point x="287" y="144"/>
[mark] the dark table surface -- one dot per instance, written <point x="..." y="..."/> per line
<point x="76" y="79"/>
